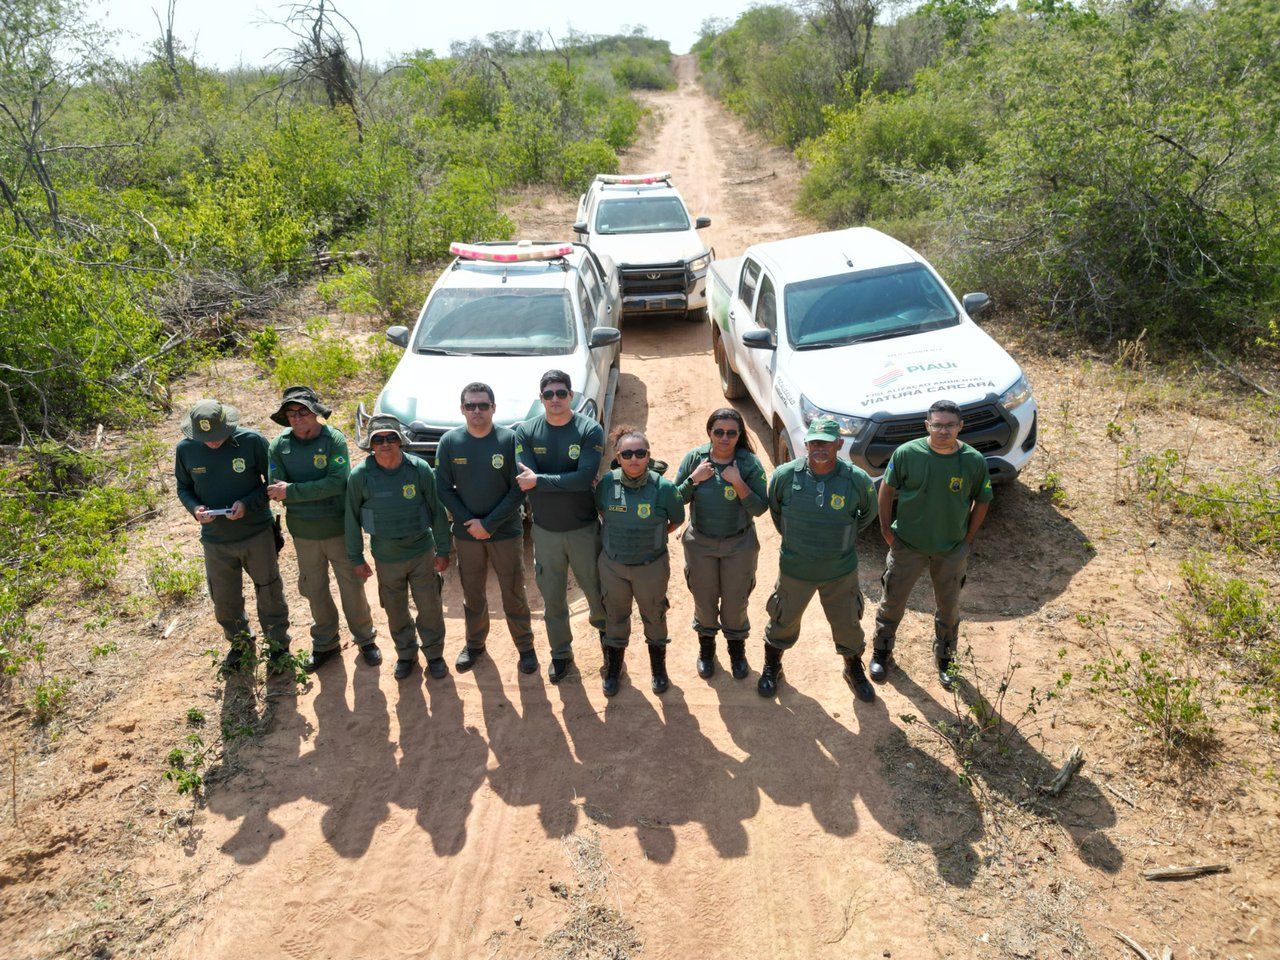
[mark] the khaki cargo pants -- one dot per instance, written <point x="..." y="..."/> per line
<point x="841" y="601"/>
<point x="225" y="565"/>
<point x="315" y="557"/>
<point x="903" y="569"/>
<point x="555" y="553"/>
<point x="645" y="584"/>
<point x="721" y="573"/>
<point x="475" y="557"/>
<point x="396" y="580"/>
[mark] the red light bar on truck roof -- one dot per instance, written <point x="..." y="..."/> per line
<point x="511" y="253"/>
<point x="623" y="178"/>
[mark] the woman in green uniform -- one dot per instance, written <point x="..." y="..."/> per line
<point x="638" y="508"/>
<point x="725" y="486"/>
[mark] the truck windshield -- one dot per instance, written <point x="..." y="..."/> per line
<point x="642" y="215"/>
<point x="512" y="322"/>
<point x="870" y="305"/>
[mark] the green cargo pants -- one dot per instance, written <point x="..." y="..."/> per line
<point x="315" y="557"/>
<point x="646" y="585"/>
<point x="475" y="557"/>
<point x="903" y="569"/>
<point x="841" y="600"/>
<point x="555" y="553"/>
<point x="225" y="565"/>
<point x="721" y="573"/>
<point x="396" y="581"/>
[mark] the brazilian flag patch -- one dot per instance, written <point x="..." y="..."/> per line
<point x="644" y="510"/>
<point x="837" y="502"/>
<point x="410" y="490"/>
<point x="957" y="484"/>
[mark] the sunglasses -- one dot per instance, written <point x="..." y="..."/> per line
<point x="632" y="454"/>
<point x="384" y="438"/>
<point x="559" y="394"/>
<point x="720" y="432"/>
<point x="471" y="407"/>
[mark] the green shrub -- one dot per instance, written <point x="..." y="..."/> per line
<point x="321" y="364"/>
<point x="351" y="290"/>
<point x="581" y="162"/>
<point x="47" y="699"/>
<point x="383" y="357"/>
<point x="1164" y="704"/>
<point x="173" y="577"/>
<point x="463" y="207"/>
<point x="642" y="73"/>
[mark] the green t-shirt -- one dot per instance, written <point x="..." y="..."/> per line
<point x="316" y="472"/>
<point x="217" y="478"/>
<point x="401" y="506"/>
<point x="566" y="460"/>
<point x="716" y="509"/>
<point x="935" y="494"/>
<point x="819" y="518"/>
<point x="476" y="478"/>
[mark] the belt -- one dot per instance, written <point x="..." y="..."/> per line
<point x="727" y="536"/>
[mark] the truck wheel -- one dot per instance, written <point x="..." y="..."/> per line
<point x="697" y="316"/>
<point x="782" y="452"/>
<point x="730" y="383"/>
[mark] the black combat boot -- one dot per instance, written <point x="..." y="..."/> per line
<point x="947" y="673"/>
<point x="612" y="669"/>
<point x="437" y="668"/>
<point x="318" y="658"/>
<point x="767" y="685"/>
<point x="559" y="669"/>
<point x="467" y="658"/>
<point x="658" y="666"/>
<point x="880" y="660"/>
<point x="857" y="679"/>
<point x="706" y="657"/>
<point x="738" y="658"/>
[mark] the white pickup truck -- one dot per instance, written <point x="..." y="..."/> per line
<point x="640" y="221"/>
<point x="854" y="325"/>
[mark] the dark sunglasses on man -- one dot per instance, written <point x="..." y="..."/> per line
<point x="384" y="438"/>
<point x="558" y="394"/>
<point x="472" y="407"/>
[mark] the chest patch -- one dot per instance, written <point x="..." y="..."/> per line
<point x="320" y="460"/>
<point x="644" y="510"/>
<point x="199" y="470"/>
<point x="238" y="465"/>
<point x="540" y="450"/>
<point x="498" y="461"/>
<point x="730" y="493"/>
<point x="837" y="502"/>
<point x="461" y="461"/>
<point x="957" y="484"/>
<point x="410" y="490"/>
<point x="575" y="451"/>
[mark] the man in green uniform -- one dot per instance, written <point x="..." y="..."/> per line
<point x="309" y="470"/>
<point x="476" y="475"/>
<point x="818" y="503"/>
<point x="944" y="490"/>
<point x="392" y="496"/>
<point x="559" y="454"/>
<point x="221" y="473"/>
<point x="639" y="508"/>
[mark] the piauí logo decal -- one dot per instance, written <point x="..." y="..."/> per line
<point x="890" y="373"/>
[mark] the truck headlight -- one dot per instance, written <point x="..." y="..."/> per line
<point x="1016" y="395"/>
<point x="700" y="263"/>
<point x="855" y="428"/>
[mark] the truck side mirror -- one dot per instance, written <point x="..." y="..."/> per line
<point x="975" y="303"/>
<point x="701" y="222"/>
<point x="580" y="227"/>
<point x="604" y="336"/>
<point x="398" y="335"/>
<point x="761" y="339"/>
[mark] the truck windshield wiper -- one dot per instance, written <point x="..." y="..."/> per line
<point x="864" y="338"/>
<point x="437" y="352"/>
<point x="495" y="353"/>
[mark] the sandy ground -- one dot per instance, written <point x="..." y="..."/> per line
<point x="491" y="814"/>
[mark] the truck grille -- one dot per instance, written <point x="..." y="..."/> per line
<point x="667" y="278"/>
<point x="985" y="429"/>
<point x="429" y="437"/>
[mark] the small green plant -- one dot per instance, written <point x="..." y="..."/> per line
<point x="383" y="357"/>
<point x="320" y="364"/>
<point x="47" y="699"/>
<point x="173" y="577"/>
<point x="195" y="717"/>
<point x="104" y="649"/>
<point x="351" y="290"/>
<point x="264" y="344"/>
<point x="186" y="763"/>
<point x="1051" y="487"/>
<point x="1167" y="706"/>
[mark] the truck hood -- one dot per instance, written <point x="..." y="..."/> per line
<point x="644" y="248"/>
<point x="906" y="374"/>
<point x="427" y="387"/>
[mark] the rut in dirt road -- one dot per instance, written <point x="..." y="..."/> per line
<point x="413" y="819"/>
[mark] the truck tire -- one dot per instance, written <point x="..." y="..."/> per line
<point x="730" y="383"/>
<point x="697" y="316"/>
<point x="782" y="452"/>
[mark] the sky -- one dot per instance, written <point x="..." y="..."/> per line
<point x="226" y="33"/>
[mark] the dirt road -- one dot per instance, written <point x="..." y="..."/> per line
<point x="493" y="815"/>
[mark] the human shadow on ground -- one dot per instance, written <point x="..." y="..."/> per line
<point x="1018" y="769"/>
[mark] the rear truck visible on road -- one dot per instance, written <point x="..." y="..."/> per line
<point x="641" y="222"/>
<point x="503" y="314"/>
<point x="855" y="325"/>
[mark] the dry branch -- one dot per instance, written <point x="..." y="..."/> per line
<point x="1132" y="945"/>
<point x="1075" y="760"/>
<point x="1237" y="373"/>
<point x="768" y="176"/>
<point x="1185" y="873"/>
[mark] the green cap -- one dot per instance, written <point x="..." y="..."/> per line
<point x="385" y="423"/>
<point x="824" y="428"/>
<point x="302" y="397"/>
<point x="210" y="421"/>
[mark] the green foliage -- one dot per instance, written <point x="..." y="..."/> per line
<point x="173" y="577"/>
<point x="320" y="363"/>
<point x="383" y="357"/>
<point x="46" y="700"/>
<point x="642" y="73"/>
<point x="264" y="344"/>
<point x="1164" y="704"/>
<point x="186" y="763"/>
<point x="351" y="290"/>
<point x="583" y="160"/>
